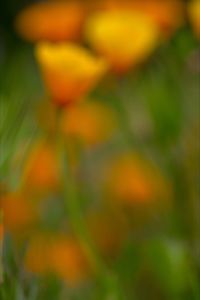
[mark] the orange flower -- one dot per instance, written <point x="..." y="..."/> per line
<point x="68" y="261"/>
<point x="194" y="14"/>
<point x="132" y="179"/>
<point x="167" y="14"/>
<point x="56" y="254"/>
<point x="69" y="71"/>
<point x="19" y="213"/>
<point x="41" y="171"/>
<point x="124" y="38"/>
<point x="51" y="21"/>
<point x="91" y="122"/>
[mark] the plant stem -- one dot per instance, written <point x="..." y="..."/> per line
<point x="71" y="197"/>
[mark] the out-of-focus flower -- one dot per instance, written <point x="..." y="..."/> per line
<point x="51" y="21"/>
<point x="90" y="122"/>
<point x="69" y="71"/>
<point x="108" y="231"/>
<point x="194" y="14"/>
<point x="167" y="14"/>
<point x="68" y="260"/>
<point x="41" y="170"/>
<point x="20" y="214"/>
<point x="56" y="254"/>
<point x="134" y="180"/>
<point x="124" y="38"/>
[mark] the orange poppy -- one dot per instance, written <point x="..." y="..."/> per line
<point x="68" y="260"/>
<point x="69" y="71"/>
<point x="60" y="255"/>
<point x="41" y="169"/>
<point x="91" y="122"/>
<point x="133" y="179"/>
<point x="19" y="213"/>
<point x="51" y="21"/>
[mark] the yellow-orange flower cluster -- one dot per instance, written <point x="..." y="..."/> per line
<point x="124" y="34"/>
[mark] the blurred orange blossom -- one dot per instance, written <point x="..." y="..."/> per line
<point x="194" y="14"/>
<point x="57" y="254"/>
<point x="20" y="214"/>
<point x="51" y="21"/>
<point x="90" y="122"/>
<point x="69" y="71"/>
<point x="68" y="260"/>
<point x="124" y="38"/>
<point x="41" y="169"/>
<point x="133" y="179"/>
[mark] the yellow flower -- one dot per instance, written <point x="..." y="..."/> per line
<point x="194" y="14"/>
<point x="167" y="14"/>
<point x="69" y="71"/>
<point x="90" y="122"/>
<point x="50" y="21"/>
<point x="134" y="180"/>
<point x="125" y="38"/>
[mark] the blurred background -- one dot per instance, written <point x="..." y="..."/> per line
<point x="99" y="150"/>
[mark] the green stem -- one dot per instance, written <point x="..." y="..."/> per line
<point x="71" y="200"/>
